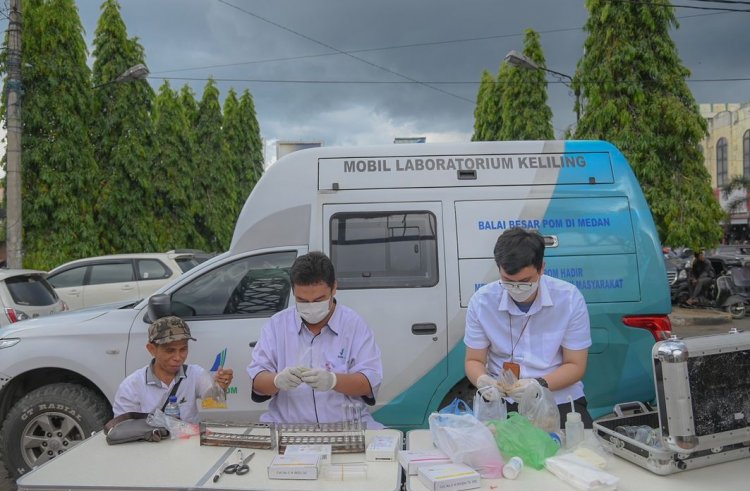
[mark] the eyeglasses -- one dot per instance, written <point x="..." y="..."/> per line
<point x="517" y="286"/>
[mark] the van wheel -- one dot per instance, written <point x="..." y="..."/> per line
<point x="48" y="421"/>
<point x="464" y="390"/>
<point x="737" y="310"/>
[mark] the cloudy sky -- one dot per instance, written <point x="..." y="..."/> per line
<point x="354" y="72"/>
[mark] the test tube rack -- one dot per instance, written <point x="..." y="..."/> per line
<point x="243" y="435"/>
<point x="343" y="437"/>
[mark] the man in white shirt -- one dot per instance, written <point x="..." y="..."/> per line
<point x="148" y="388"/>
<point x="531" y="324"/>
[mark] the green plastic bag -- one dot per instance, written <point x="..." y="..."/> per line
<point x="516" y="436"/>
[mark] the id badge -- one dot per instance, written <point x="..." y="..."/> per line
<point x="513" y="367"/>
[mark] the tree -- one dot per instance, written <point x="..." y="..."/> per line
<point x="254" y="148"/>
<point x="215" y="181"/>
<point x="59" y="170"/>
<point x="525" y="113"/>
<point x="122" y="133"/>
<point x="244" y="145"/>
<point x="735" y="192"/>
<point x="633" y="83"/>
<point x="173" y="172"/>
<point x="485" y="111"/>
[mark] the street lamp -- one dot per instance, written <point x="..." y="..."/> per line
<point x="519" y="60"/>
<point x="135" y="72"/>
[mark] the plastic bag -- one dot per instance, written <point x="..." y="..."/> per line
<point x="485" y="410"/>
<point x="466" y="440"/>
<point x="457" y="406"/>
<point x="215" y="397"/>
<point x="516" y="436"/>
<point x="177" y="428"/>
<point x="132" y="427"/>
<point x="538" y="405"/>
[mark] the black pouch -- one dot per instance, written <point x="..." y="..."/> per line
<point x="133" y="427"/>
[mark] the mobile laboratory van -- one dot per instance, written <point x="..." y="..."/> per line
<point x="410" y="229"/>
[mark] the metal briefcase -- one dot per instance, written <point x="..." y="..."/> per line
<point x="703" y="396"/>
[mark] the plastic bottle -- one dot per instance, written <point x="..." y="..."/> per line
<point x="172" y="408"/>
<point x="558" y="438"/>
<point x="573" y="427"/>
<point x="513" y="467"/>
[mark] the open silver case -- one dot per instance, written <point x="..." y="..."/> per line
<point x="703" y="406"/>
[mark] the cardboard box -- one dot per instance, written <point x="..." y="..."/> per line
<point x="324" y="451"/>
<point x="412" y="460"/>
<point x="453" y="477"/>
<point x="383" y="448"/>
<point x="294" y="467"/>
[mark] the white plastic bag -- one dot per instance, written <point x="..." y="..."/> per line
<point x="485" y="410"/>
<point x="466" y="440"/>
<point x="538" y="404"/>
<point x="177" y="428"/>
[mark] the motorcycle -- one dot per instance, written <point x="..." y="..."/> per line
<point x="741" y="279"/>
<point x="721" y="294"/>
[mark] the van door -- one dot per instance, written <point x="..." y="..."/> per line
<point x="389" y="260"/>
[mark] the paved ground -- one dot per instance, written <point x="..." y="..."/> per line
<point x="685" y="323"/>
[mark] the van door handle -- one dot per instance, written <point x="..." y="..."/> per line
<point x="252" y="344"/>
<point x="423" y="329"/>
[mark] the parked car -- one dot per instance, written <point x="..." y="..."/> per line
<point x="736" y="251"/>
<point x="106" y="279"/>
<point x="25" y="294"/>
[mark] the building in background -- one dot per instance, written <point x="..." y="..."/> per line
<point x="726" y="150"/>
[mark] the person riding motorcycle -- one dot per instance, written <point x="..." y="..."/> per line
<point x="701" y="275"/>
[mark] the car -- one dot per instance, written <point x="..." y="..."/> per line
<point x="106" y="279"/>
<point x="736" y="251"/>
<point x="26" y="294"/>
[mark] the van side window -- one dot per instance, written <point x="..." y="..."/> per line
<point x="253" y="286"/>
<point x="384" y="249"/>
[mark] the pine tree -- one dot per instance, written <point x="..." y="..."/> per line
<point x="122" y="134"/>
<point x="173" y="174"/>
<point x="59" y="182"/>
<point x="485" y="111"/>
<point x="633" y="82"/>
<point x="214" y="222"/>
<point x="234" y="135"/>
<point x="525" y="113"/>
<point x="254" y="149"/>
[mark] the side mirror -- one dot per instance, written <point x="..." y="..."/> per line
<point x="159" y="306"/>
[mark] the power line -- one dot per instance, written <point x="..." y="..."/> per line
<point x="380" y="67"/>
<point x="695" y="7"/>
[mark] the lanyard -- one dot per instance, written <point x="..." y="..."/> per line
<point x="510" y="329"/>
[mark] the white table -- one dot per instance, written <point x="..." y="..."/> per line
<point x="185" y="464"/>
<point x="729" y="476"/>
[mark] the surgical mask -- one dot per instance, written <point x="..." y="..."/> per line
<point x="520" y="291"/>
<point x="313" y="312"/>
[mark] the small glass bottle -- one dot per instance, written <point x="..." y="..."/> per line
<point x="172" y="408"/>
<point x="513" y="467"/>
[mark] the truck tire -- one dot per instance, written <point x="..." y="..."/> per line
<point x="48" y="421"/>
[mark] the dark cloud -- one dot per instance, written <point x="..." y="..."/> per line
<point x="441" y="41"/>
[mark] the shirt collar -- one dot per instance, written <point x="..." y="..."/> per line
<point x="152" y="379"/>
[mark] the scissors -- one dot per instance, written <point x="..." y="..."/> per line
<point x="239" y="469"/>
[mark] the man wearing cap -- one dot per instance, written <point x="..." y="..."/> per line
<point x="148" y="388"/>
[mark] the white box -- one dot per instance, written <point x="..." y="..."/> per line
<point x="382" y="448"/>
<point x="412" y="460"/>
<point x="294" y="467"/>
<point x="453" y="477"/>
<point x="324" y="451"/>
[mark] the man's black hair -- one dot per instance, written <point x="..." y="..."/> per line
<point x="312" y="268"/>
<point x="517" y="248"/>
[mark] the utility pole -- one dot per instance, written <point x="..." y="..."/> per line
<point x="13" y="216"/>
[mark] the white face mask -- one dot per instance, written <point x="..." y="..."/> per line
<point x="313" y="312"/>
<point x="520" y="291"/>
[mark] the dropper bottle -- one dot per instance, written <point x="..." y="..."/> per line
<point x="573" y="427"/>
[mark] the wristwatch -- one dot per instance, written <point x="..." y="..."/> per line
<point x="542" y="382"/>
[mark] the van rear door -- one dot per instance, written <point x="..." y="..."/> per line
<point x="389" y="260"/>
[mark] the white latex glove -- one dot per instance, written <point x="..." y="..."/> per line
<point x="319" y="379"/>
<point x="288" y="378"/>
<point x="519" y="388"/>
<point x="488" y="386"/>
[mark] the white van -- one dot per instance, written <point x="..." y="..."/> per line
<point x="410" y="229"/>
